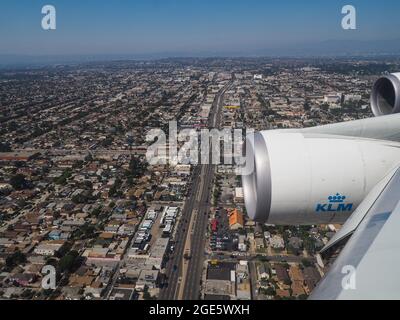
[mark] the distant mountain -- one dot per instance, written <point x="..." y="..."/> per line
<point x="44" y="60"/>
<point x="323" y="48"/>
<point x="339" y="48"/>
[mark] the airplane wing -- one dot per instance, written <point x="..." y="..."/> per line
<point x="368" y="265"/>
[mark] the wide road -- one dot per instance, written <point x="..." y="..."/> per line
<point x="198" y="240"/>
<point x="174" y="265"/>
<point x="199" y="198"/>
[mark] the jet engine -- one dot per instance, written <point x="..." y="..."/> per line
<point x="385" y="98"/>
<point x="307" y="178"/>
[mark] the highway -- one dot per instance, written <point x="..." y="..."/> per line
<point x="186" y="285"/>
<point x="198" y="240"/>
<point x="174" y="265"/>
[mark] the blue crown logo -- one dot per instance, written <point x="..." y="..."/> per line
<point x="336" y="198"/>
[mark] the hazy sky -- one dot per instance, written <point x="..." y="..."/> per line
<point x="187" y="26"/>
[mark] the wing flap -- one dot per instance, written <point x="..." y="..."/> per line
<point x="367" y="267"/>
<point x="358" y="215"/>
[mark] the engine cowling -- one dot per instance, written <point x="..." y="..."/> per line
<point x="303" y="178"/>
<point x="385" y="97"/>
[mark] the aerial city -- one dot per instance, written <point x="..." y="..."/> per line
<point x="79" y="194"/>
<point x="106" y="192"/>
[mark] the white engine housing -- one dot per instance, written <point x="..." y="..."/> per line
<point x="385" y="97"/>
<point x="307" y="178"/>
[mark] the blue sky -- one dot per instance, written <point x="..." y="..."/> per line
<point x="187" y="26"/>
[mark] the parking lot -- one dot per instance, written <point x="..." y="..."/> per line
<point x="222" y="238"/>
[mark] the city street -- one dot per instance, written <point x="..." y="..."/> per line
<point x="199" y="199"/>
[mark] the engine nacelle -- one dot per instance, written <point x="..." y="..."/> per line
<point x="385" y="97"/>
<point x="307" y="178"/>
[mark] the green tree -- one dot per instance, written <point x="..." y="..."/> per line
<point x="147" y="295"/>
<point x="63" y="178"/>
<point x="270" y="291"/>
<point x="306" y="263"/>
<point x="307" y="105"/>
<point x="15" y="259"/>
<point x="68" y="261"/>
<point x="5" y="147"/>
<point x="19" y="182"/>
<point x="96" y="211"/>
